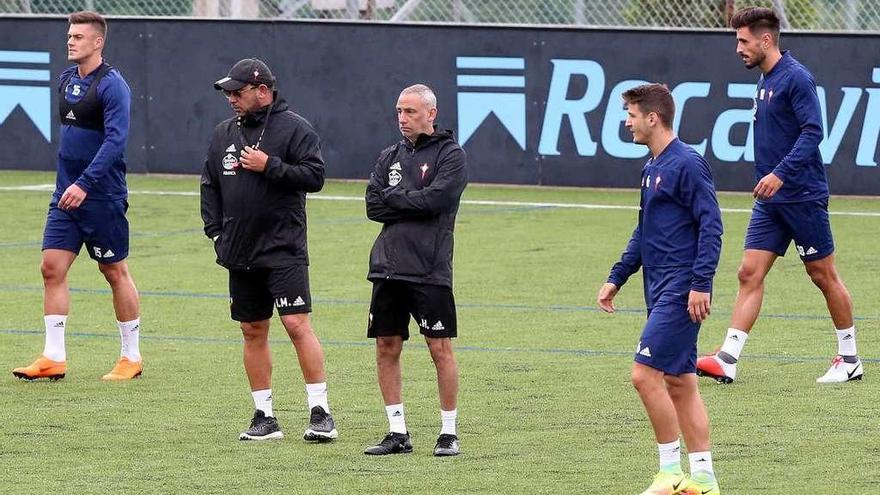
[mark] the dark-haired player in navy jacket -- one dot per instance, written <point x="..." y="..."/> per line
<point x="791" y="198"/>
<point x="676" y="243"/>
<point x="90" y="199"/>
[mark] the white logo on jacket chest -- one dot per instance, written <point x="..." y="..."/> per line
<point x="230" y="163"/>
<point x="394" y="174"/>
<point x="394" y="178"/>
<point x="649" y="183"/>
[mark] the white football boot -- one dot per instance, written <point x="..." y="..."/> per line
<point x="841" y="371"/>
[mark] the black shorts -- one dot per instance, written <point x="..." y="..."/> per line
<point x="432" y="306"/>
<point x="252" y="293"/>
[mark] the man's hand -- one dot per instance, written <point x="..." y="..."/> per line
<point x="253" y="159"/>
<point x="699" y="305"/>
<point x="71" y="199"/>
<point x="605" y="299"/>
<point x="767" y="186"/>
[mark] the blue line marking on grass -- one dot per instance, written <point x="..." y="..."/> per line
<point x="364" y="303"/>
<point x="370" y="344"/>
<point x="163" y="233"/>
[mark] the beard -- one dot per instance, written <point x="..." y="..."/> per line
<point x="754" y="62"/>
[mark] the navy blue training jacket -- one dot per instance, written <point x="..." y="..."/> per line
<point x="92" y="159"/>
<point x="788" y="130"/>
<point x="679" y="220"/>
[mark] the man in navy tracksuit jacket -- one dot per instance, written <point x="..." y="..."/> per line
<point x="791" y="198"/>
<point x="677" y="243"/>
<point x="90" y="199"/>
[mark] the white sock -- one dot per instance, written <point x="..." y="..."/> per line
<point x="263" y="401"/>
<point x="129" y="331"/>
<point x="54" y="347"/>
<point x="447" y="421"/>
<point x="396" y="419"/>
<point x="734" y="342"/>
<point x="317" y="395"/>
<point x="670" y="456"/>
<point x="701" y="461"/>
<point x="846" y="342"/>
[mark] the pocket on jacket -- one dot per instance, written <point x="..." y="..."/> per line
<point x="417" y="253"/>
<point x="221" y="248"/>
<point x="217" y="245"/>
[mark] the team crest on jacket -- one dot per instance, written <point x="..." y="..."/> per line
<point x="394" y="174"/>
<point x="230" y="163"/>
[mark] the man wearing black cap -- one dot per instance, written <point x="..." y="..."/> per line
<point x="258" y="169"/>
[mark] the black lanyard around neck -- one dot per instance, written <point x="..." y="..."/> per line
<point x="256" y="146"/>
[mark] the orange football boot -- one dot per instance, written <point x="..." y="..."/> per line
<point x="125" y="370"/>
<point x="43" y="367"/>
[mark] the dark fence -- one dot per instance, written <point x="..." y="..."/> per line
<point x="530" y="105"/>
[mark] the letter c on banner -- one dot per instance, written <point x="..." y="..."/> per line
<point x="721" y="146"/>
<point x="681" y="94"/>
<point x="615" y="114"/>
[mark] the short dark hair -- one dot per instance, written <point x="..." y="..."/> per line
<point x="90" y="17"/>
<point x="757" y="19"/>
<point x="653" y="98"/>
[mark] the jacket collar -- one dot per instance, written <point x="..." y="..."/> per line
<point x="258" y="117"/>
<point x="427" y="139"/>
<point x="784" y="61"/>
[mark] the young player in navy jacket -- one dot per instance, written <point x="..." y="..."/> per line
<point x="676" y="243"/>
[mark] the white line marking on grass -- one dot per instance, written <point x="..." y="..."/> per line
<point x="34" y="187"/>
<point x="165" y="193"/>
<point x="478" y="202"/>
<point x="586" y="206"/>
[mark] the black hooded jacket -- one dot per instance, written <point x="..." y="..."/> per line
<point x="260" y="218"/>
<point x="414" y="191"/>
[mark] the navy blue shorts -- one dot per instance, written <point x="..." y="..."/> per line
<point x="669" y="340"/>
<point x="774" y="225"/>
<point x="100" y="225"/>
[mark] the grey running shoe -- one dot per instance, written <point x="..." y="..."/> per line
<point x="262" y="428"/>
<point x="446" y="445"/>
<point x="321" y="428"/>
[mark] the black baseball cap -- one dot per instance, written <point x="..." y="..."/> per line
<point x="246" y="71"/>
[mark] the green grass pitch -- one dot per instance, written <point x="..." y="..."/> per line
<point x="545" y="403"/>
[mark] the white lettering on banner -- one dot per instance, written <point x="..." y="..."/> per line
<point x="560" y="107"/>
